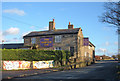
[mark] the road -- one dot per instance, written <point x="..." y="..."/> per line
<point x="105" y="70"/>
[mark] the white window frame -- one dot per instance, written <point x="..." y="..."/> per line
<point x="89" y="55"/>
<point x="33" y="40"/>
<point x="85" y="54"/>
<point x="89" y="47"/>
<point x="58" y="38"/>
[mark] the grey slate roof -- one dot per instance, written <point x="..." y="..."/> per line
<point x="55" y="32"/>
<point x="12" y="46"/>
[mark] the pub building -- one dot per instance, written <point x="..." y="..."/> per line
<point x="71" y="39"/>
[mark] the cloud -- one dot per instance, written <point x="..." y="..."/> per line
<point x="62" y="9"/>
<point x="15" y="11"/>
<point x="106" y="28"/>
<point x="44" y="28"/>
<point x="107" y="43"/>
<point x="112" y="53"/>
<point x="13" y="40"/>
<point x="11" y="31"/>
<point x="25" y="34"/>
<point x="115" y="43"/>
<point x="101" y="50"/>
<point x="32" y="27"/>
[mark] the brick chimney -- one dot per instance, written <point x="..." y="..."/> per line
<point x="51" y="25"/>
<point x="70" y="26"/>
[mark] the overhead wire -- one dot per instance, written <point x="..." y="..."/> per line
<point x="19" y="21"/>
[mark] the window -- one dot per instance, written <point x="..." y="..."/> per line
<point x="58" y="48"/>
<point x="89" y="55"/>
<point x="85" y="54"/>
<point x="72" y="51"/>
<point x="33" y="40"/>
<point x="58" y="38"/>
<point x="89" y="47"/>
<point x="26" y="41"/>
<point x="79" y="39"/>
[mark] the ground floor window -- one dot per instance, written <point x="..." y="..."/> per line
<point x="58" y="48"/>
<point x="72" y="51"/>
<point x="85" y="54"/>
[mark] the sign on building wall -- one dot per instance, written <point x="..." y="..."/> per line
<point x="46" y="42"/>
<point x="86" y="41"/>
<point x="42" y="64"/>
<point x="15" y="65"/>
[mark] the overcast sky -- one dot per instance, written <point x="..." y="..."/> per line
<point x="20" y="18"/>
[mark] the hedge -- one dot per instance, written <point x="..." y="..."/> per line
<point x="35" y="55"/>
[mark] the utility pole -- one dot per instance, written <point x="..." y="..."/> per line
<point x="104" y="52"/>
<point x="118" y="43"/>
<point x="2" y="43"/>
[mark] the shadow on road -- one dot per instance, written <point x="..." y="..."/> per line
<point x="54" y="80"/>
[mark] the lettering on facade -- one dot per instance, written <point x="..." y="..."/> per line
<point x="86" y="41"/>
<point x="46" y="42"/>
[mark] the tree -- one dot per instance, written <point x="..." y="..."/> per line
<point x="114" y="56"/>
<point x="112" y="14"/>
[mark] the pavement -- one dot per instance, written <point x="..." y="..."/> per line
<point x="23" y="73"/>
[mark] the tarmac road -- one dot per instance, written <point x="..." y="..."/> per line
<point x="105" y="70"/>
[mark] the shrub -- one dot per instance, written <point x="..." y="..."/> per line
<point x="35" y="55"/>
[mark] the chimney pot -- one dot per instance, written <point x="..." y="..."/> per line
<point x="53" y="20"/>
<point x="51" y="25"/>
<point x="69" y="23"/>
<point x="70" y="26"/>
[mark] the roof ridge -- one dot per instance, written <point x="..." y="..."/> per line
<point x="57" y="31"/>
<point x="54" y="30"/>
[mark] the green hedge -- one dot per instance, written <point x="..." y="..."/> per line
<point x="34" y="55"/>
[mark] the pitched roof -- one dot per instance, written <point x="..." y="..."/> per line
<point x="91" y="43"/>
<point x="11" y="46"/>
<point x="54" y="32"/>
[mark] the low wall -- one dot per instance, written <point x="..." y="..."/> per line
<point x="16" y="65"/>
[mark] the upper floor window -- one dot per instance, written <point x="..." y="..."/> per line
<point x="33" y="40"/>
<point x="26" y="41"/>
<point x="58" y="38"/>
<point x="85" y="54"/>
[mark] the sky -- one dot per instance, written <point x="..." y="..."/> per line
<point x="20" y="18"/>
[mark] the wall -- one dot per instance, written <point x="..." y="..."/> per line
<point x="80" y="46"/>
<point x="16" y="65"/>
<point x="68" y="40"/>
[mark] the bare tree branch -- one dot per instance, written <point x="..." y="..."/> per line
<point x="112" y="14"/>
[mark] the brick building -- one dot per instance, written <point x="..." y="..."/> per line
<point x="71" y="39"/>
